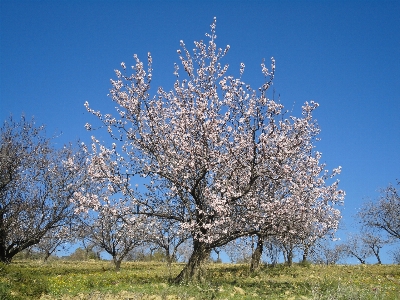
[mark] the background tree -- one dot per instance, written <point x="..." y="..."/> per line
<point x="396" y="256"/>
<point x="325" y="252"/>
<point x="384" y="213"/>
<point x="37" y="183"/>
<point x="375" y="243"/>
<point x="272" y="250"/>
<point x="115" y="234"/>
<point x="209" y="149"/>
<point x="53" y="240"/>
<point x="167" y="236"/>
<point x="356" y="246"/>
<point x="302" y="214"/>
<point x="239" y="250"/>
<point x="81" y="254"/>
<point x="89" y="246"/>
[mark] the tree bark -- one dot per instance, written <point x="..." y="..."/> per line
<point x="305" y="254"/>
<point x="117" y="263"/>
<point x="194" y="270"/>
<point x="46" y="256"/>
<point x="7" y="253"/>
<point x="290" y="257"/>
<point x="256" y="255"/>
<point x="377" y="256"/>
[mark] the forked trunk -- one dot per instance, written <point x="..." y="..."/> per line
<point x="376" y="253"/>
<point x="194" y="271"/>
<point x="256" y="255"/>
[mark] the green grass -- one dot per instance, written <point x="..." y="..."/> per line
<point x="98" y="280"/>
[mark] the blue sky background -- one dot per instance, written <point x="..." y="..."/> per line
<point x="345" y="55"/>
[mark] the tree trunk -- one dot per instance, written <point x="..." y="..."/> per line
<point x="285" y="259"/>
<point x="3" y="247"/>
<point x="117" y="263"/>
<point x="256" y="255"/>
<point x="46" y="256"/>
<point x="168" y="256"/>
<point x="4" y="258"/>
<point x="290" y="257"/>
<point x="305" y="254"/>
<point x="377" y="256"/>
<point x="7" y="253"/>
<point x="194" y="271"/>
<point x="360" y="259"/>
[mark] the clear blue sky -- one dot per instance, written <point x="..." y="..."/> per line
<point x="345" y="55"/>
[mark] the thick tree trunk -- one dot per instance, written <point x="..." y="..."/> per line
<point x="46" y="256"/>
<point x="194" y="271"/>
<point x="256" y="255"/>
<point x="290" y="257"/>
<point x="7" y="253"/>
<point x="4" y="258"/>
<point x="117" y="263"/>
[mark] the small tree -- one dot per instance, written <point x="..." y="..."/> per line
<point x="167" y="236"/>
<point x="396" y="256"/>
<point x="356" y="246"/>
<point x="384" y="213"/>
<point x="81" y="254"/>
<point x="324" y="252"/>
<point x="115" y="234"/>
<point x="273" y="250"/>
<point x="375" y="243"/>
<point x="53" y="240"/>
<point x="239" y="250"/>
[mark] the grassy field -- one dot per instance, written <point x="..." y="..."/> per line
<point x="98" y="280"/>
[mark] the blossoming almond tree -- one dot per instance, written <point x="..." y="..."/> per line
<point x="210" y="148"/>
<point x="37" y="184"/>
<point x="302" y="204"/>
<point x="112" y="233"/>
<point x="53" y="240"/>
<point x="168" y="236"/>
<point x="106" y="219"/>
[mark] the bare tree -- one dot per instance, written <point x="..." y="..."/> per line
<point x="324" y="252"/>
<point x="37" y="183"/>
<point x="396" y="256"/>
<point x="356" y="246"/>
<point x="375" y="243"/>
<point x="384" y="213"/>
